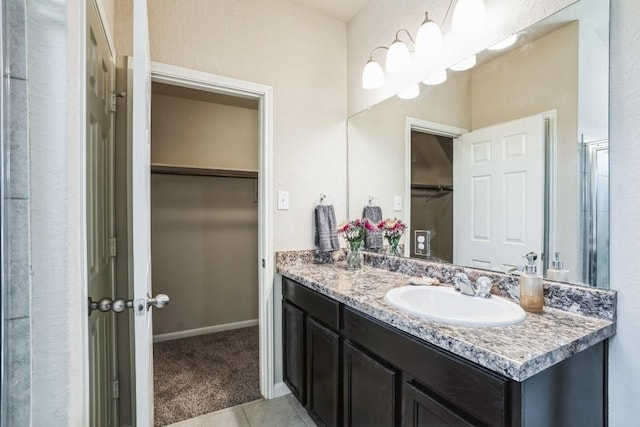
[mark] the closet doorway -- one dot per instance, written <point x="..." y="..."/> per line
<point x="429" y="188"/>
<point x="205" y="249"/>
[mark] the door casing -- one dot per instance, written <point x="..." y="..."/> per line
<point x="179" y="76"/>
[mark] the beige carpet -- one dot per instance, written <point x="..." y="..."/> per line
<point x="198" y="375"/>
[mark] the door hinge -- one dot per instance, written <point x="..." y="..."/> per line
<point x="113" y="98"/>
<point x="112" y="247"/>
<point x="115" y="389"/>
<point x="263" y="263"/>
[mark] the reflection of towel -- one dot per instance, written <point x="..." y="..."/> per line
<point x="372" y="239"/>
<point x="326" y="238"/>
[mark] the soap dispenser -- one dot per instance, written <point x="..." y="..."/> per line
<point x="557" y="271"/>
<point x="531" y="293"/>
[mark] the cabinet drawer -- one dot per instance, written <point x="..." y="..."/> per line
<point x="316" y="305"/>
<point x="477" y="391"/>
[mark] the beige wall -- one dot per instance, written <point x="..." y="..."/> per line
<point x="538" y="77"/>
<point x="301" y="54"/>
<point x="204" y="248"/>
<point x="189" y="132"/>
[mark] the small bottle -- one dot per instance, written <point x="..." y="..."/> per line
<point x="557" y="271"/>
<point x="531" y="293"/>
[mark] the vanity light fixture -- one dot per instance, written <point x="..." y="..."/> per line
<point x="429" y="41"/>
<point x="436" y="78"/>
<point x="410" y="92"/>
<point x="372" y="74"/>
<point x="465" y="64"/>
<point x="509" y="41"/>
<point x="398" y="56"/>
<point x="469" y="17"/>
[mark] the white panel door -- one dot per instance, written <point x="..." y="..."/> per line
<point x="100" y="71"/>
<point x="139" y="82"/>
<point x="499" y="194"/>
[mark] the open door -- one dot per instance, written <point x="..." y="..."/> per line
<point x="499" y="210"/>
<point x="139" y="123"/>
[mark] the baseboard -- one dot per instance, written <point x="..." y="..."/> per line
<point x="203" y="331"/>
<point x="280" y="389"/>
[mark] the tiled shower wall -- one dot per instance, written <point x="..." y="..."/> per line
<point x="16" y="389"/>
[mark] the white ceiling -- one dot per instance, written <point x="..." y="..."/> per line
<point x="343" y="10"/>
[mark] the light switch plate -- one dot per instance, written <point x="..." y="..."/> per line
<point x="397" y="203"/>
<point x="283" y="200"/>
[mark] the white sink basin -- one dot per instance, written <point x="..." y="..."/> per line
<point x="444" y="304"/>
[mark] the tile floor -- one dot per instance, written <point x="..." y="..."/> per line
<point x="284" y="411"/>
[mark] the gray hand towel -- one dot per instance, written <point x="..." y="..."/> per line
<point x="373" y="239"/>
<point x="326" y="236"/>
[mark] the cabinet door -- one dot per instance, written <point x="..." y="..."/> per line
<point x="420" y="410"/>
<point x="369" y="390"/>
<point x="323" y="374"/>
<point x="294" y="351"/>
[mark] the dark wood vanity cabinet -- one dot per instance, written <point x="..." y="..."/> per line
<point x="312" y="352"/>
<point x="420" y="409"/>
<point x="350" y="369"/>
<point x="369" y="389"/>
<point x="323" y="373"/>
<point x="294" y="366"/>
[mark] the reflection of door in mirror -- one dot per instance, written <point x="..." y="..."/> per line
<point x="499" y="198"/>
<point x="431" y="221"/>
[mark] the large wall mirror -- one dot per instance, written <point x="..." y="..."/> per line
<point x="508" y="157"/>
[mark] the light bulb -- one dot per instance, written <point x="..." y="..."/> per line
<point x="429" y="41"/>
<point x="398" y="58"/>
<point x="468" y="17"/>
<point x="436" y="78"/>
<point x="465" y="64"/>
<point x="372" y="75"/>
<point x="410" y="92"/>
<point x="509" y="41"/>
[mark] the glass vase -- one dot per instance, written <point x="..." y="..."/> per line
<point x="394" y="246"/>
<point x="355" y="258"/>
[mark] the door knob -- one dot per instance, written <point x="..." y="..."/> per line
<point x="119" y="305"/>
<point x="107" y="304"/>
<point x="160" y="301"/>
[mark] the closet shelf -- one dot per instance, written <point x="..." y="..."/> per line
<point x="190" y="170"/>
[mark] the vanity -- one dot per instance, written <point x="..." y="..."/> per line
<point x="352" y="359"/>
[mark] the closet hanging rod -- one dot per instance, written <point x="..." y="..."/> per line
<point x="431" y="187"/>
<point x="193" y="171"/>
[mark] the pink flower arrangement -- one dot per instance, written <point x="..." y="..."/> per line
<point x="392" y="228"/>
<point x="353" y="231"/>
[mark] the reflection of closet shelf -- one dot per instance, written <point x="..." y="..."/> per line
<point x="190" y="170"/>
<point x="431" y="187"/>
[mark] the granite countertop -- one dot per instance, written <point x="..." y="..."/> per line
<point x="518" y="351"/>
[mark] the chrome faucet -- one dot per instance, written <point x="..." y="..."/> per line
<point x="482" y="287"/>
<point x="463" y="285"/>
